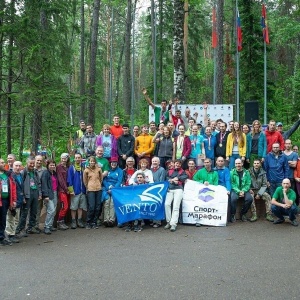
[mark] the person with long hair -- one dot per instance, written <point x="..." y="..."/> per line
<point x="92" y="179"/>
<point x="49" y="194"/>
<point x="236" y="145"/>
<point x="108" y="142"/>
<point x="182" y="146"/>
<point x="144" y="168"/>
<point x="256" y="143"/>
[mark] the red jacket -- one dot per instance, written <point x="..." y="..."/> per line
<point x="274" y="137"/>
<point x="12" y="190"/>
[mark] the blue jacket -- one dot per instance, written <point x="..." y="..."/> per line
<point x="20" y="187"/>
<point x="113" y="179"/>
<point x="224" y="178"/>
<point x="262" y="145"/>
<point x="75" y="181"/>
<point x="276" y="168"/>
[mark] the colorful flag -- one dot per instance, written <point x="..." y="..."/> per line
<point x="214" y="37"/>
<point x="239" y="32"/>
<point x="264" y="24"/>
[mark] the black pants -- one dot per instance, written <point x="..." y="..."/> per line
<point x="246" y="205"/>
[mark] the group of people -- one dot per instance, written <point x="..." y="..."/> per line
<point x="250" y="163"/>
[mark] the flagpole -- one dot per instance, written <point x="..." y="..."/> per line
<point x="237" y="65"/>
<point x="215" y="53"/>
<point x="265" y="83"/>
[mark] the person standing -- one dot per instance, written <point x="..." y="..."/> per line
<point x="63" y="192"/>
<point x="116" y="129"/>
<point x="125" y="146"/>
<point x="273" y="136"/>
<point x="292" y="158"/>
<point x="88" y="141"/>
<point x="209" y="143"/>
<point x="221" y="137"/>
<point x="183" y="146"/>
<point x="108" y="142"/>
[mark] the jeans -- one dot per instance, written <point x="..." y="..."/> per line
<point x="51" y="210"/>
<point x="94" y="206"/>
<point x="3" y="212"/>
<point x="280" y="212"/>
<point x="246" y="205"/>
<point x="31" y="204"/>
<point x="273" y="186"/>
<point x="232" y="159"/>
<point x="174" y="196"/>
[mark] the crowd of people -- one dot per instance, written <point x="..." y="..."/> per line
<point x="250" y="163"/>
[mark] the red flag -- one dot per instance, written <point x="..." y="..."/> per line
<point x="214" y="37"/>
<point x="264" y="24"/>
<point x="239" y="32"/>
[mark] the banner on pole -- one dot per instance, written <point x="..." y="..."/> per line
<point x="145" y="201"/>
<point x="203" y="204"/>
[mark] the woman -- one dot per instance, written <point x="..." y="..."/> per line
<point x="63" y="191"/>
<point x="246" y="130"/>
<point x="143" y="167"/>
<point x="256" y="143"/>
<point x="136" y="131"/>
<point x="158" y="134"/>
<point x="108" y="142"/>
<point x="166" y="146"/>
<point x="183" y="146"/>
<point x="297" y="180"/>
<point x="49" y="185"/>
<point x="236" y="145"/>
<point x="197" y="146"/>
<point x="92" y="179"/>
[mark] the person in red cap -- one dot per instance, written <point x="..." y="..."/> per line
<point x="112" y="180"/>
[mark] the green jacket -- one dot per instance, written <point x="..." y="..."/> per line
<point x="202" y="175"/>
<point x="235" y="181"/>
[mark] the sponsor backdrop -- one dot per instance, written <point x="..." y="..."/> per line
<point x="203" y="204"/>
<point x="145" y="201"/>
<point x="214" y="112"/>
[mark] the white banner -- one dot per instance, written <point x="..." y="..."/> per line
<point x="203" y="204"/>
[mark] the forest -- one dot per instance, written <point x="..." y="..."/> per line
<point x="63" y="61"/>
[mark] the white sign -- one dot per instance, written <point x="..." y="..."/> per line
<point x="214" y="112"/>
<point x="203" y="204"/>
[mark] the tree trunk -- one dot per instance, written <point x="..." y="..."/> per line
<point x="93" y="56"/>
<point x="220" y="53"/>
<point x="178" y="51"/>
<point x="82" y="66"/>
<point x="127" y="63"/>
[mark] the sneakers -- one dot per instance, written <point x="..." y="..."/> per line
<point x="294" y="223"/>
<point x="168" y="226"/>
<point x="254" y="217"/>
<point x="80" y="223"/>
<point x="232" y="219"/>
<point x="53" y="229"/>
<point x="33" y="230"/>
<point x="5" y="242"/>
<point x="173" y="228"/>
<point x="73" y="224"/>
<point x="136" y="228"/>
<point x="244" y="218"/>
<point x="278" y="221"/>
<point x="111" y="223"/>
<point x="128" y="228"/>
<point x="21" y="234"/>
<point x="47" y="231"/>
<point x="156" y="225"/>
<point x="61" y="225"/>
<point x="94" y="226"/>
<point x="269" y="218"/>
<point x="13" y="239"/>
<point x="88" y="226"/>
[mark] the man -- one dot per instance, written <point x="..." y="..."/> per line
<point x="161" y="113"/>
<point x="13" y="213"/>
<point x="88" y="141"/>
<point x="292" y="158"/>
<point x="191" y="123"/>
<point x="240" y="189"/>
<point x="125" y="146"/>
<point x="230" y="126"/>
<point x="8" y="198"/>
<point x="175" y="133"/>
<point x="283" y="203"/>
<point x="176" y="120"/>
<point x="259" y="190"/>
<point x="113" y="179"/>
<point x="209" y="143"/>
<point x="273" y="136"/>
<point x="39" y="161"/>
<point x="101" y="161"/>
<point x="295" y="148"/>
<point x="32" y="194"/>
<point x="276" y="166"/>
<point x="206" y="175"/>
<point x="80" y="132"/>
<point x="77" y="191"/>
<point x="116" y="130"/>
<point x="11" y="158"/>
<point x="289" y="132"/>
<point x="213" y="126"/>
<point x="152" y="128"/>
<point x="221" y="137"/>
<point x="143" y="146"/>
<point x="176" y="178"/>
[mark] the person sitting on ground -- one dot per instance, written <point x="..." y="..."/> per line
<point x="283" y="203"/>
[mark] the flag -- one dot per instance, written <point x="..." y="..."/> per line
<point x="214" y="37"/>
<point x="145" y="201"/>
<point x="239" y="32"/>
<point x="264" y="24"/>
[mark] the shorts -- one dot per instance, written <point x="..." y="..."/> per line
<point x="78" y="201"/>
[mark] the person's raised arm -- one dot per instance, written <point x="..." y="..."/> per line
<point x="147" y="98"/>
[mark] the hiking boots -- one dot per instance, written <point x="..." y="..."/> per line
<point x="73" y="224"/>
<point x="254" y="217"/>
<point x="80" y="223"/>
<point x="232" y="219"/>
<point x="61" y="225"/>
<point x="244" y="218"/>
<point x="269" y="218"/>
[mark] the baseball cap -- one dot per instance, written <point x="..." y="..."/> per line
<point x="279" y="124"/>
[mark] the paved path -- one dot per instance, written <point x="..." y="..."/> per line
<point x="242" y="261"/>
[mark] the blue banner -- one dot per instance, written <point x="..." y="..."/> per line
<point x="146" y="201"/>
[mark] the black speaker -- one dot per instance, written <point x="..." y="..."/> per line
<point x="251" y="111"/>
